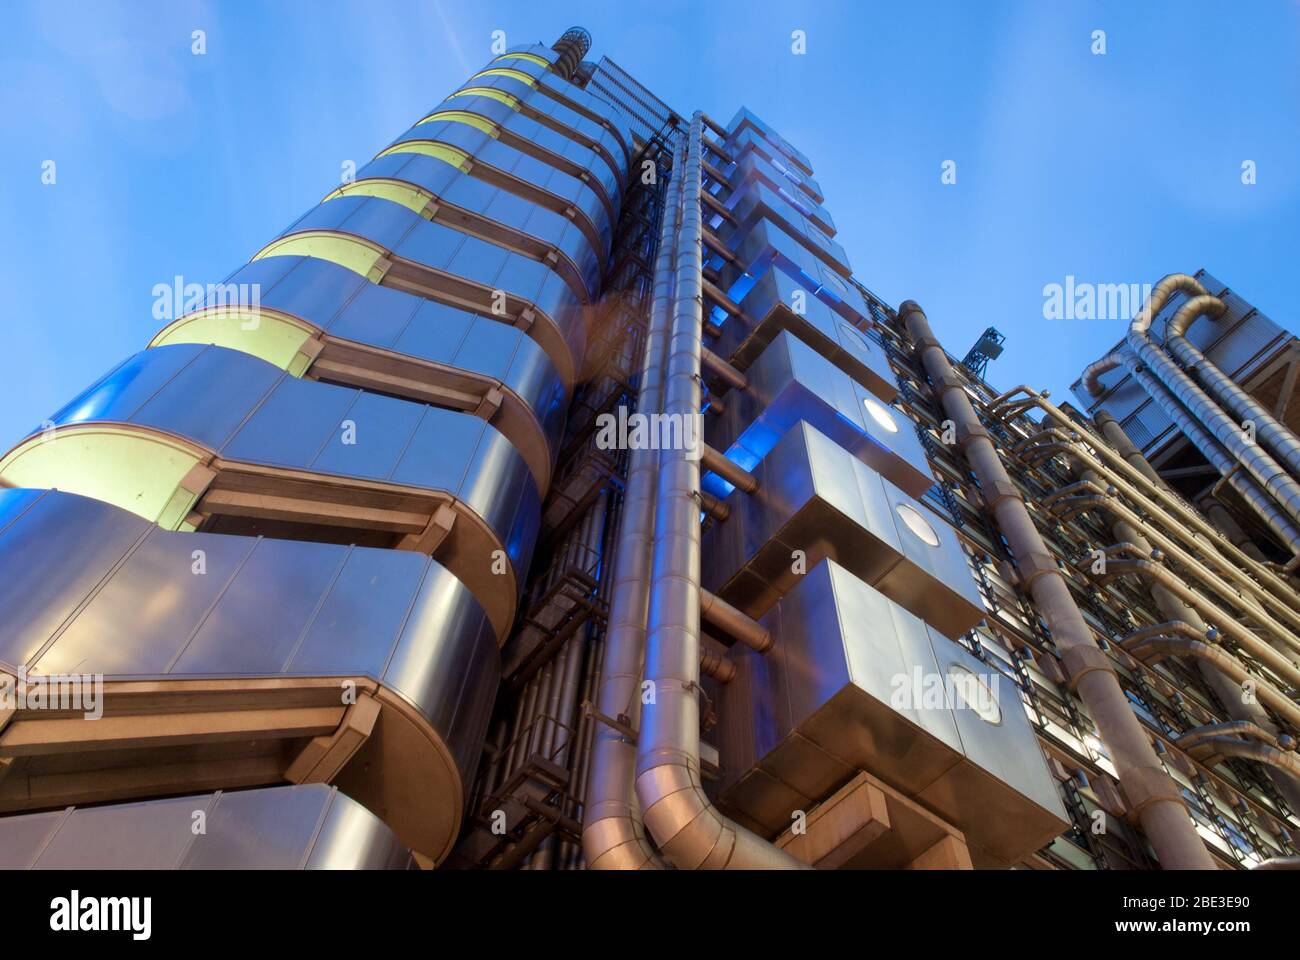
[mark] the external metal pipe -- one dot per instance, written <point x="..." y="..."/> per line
<point x="1245" y="711"/>
<point x="1126" y="448"/>
<point x="1151" y="792"/>
<point x="713" y="125"/>
<point x="1105" y="501"/>
<point x="1138" y="488"/>
<point x="728" y="470"/>
<point x="1274" y="480"/>
<point x="613" y="836"/>
<point x="1283" y="760"/>
<point x="722" y="300"/>
<point x="1112" y="431"/>
<point x="725" y="371"/>
<point x="718" y="148"/>
<point x="719" y="668"/>
<point x="1227" y="525"/>
<point x="1267" y="588"/>
<point x="714" y="507"/>
<point x="1236" y="728"/>
<point x="1224" y="661"/>
<point x="1256" y="647"/>
<point x="678" y="814"/>
<point x="1279" y="863"/>
<point x="718" y="246"/>
<point x="734" y="623"/>
<point x="718" y="207"/>
<point x="1215" y="452"/>
<point x="1270" y="431"/>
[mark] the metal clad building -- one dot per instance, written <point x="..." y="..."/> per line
<point x="565" y="501"/>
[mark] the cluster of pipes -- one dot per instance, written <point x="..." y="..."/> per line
<point x="644" y="778"/>
<point x="645" y="765"/>
<point x="1262" y="465"/>
<point x="1212" y="558"/>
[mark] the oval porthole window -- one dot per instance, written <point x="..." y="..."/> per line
<point x="880" y="413"/>
<point x="857" y="336"/>
<point x="919" y="526"/>
<point x="970" y="691"/>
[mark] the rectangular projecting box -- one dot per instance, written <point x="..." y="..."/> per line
<point x="753" y="201"/>
<point x="816" y="500"/>
<point x="855" y="682"/>
<point x="777" y="302"/>
<point x="790" y="382"/>
<point x="764" y="245"/>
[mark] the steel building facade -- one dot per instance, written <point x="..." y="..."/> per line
<point x="384" y="571"/>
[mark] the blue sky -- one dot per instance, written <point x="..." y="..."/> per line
<point x="1114" y="169"/>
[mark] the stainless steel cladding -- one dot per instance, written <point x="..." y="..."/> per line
<point x="298" y="629"/>
<point x="193" y="436"/>
<point x="749" y="141"/>
<point x="322" y="321"/>
<point x="790" y="382"/>
<point x="777" y="302"/>
<point x="858" y="683"/>
<point x="388" y="243"/>
<point x="746" y="120"/>
<point x="754" y="201"/>
<point x="765" y="246"/>
<point x="817" y="501"/>
<point x="308" y="827"/>
<point x="751" y="167"/>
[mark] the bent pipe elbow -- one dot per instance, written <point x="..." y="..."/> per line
<point x="690" y="830"/>
<point x="616" y="842"/>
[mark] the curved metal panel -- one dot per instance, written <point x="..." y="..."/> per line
<point x="571" y="96"/>
<point x="614" y="142"/>
<point x="530" y="136"/>
<point x="312" y="827"/>
<point x="512" y="221"/>
<point x="340" y="310"/>
<point x="465" y="266"/>
<point x="516" y="171"/>
<point x="554" y="117"/>
<point x="140" y="609"/>
<point x="266" y="417"/>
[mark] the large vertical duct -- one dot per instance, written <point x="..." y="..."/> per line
<point x="682" y="820"/>
<point x="1226" y="524"/>
<point x="1110" y="429"/>
<point x="1274" y="481"/>
<point x="1210" y="448"/>
<point x="1150" y="791"/>
<point x="613" y="836"/>
<point x="572" y="47"/>
<point x="1270" y="431"/>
